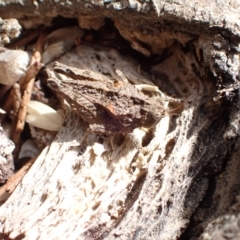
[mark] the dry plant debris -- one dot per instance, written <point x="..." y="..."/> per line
<point x="132" y="184"/>
<point x="27" y="83"/>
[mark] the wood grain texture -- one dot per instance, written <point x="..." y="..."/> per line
<point x="184" y="175"/>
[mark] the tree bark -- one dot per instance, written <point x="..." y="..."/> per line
<point x="182" y="182"/>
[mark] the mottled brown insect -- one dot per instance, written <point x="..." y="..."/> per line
<point x="108" y="106"/>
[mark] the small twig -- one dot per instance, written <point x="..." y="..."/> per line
<point x="16" y="97"/>
<point x="16" y="101"/>
<point x="31" y="72"/>
<point x="24" y="41"/>
<point x="7" y="189"/>
<point x="27" y="86"/>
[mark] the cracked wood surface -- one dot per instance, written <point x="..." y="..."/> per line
<point x="112" y="189"/>
<point x="107" y="187"/>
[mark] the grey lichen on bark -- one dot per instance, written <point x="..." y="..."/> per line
<point x="111" y="188"/>
<point x="6" y="158"/>
<point x="9" y="29"/>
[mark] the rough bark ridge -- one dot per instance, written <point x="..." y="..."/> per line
<point x="113" y="189"/>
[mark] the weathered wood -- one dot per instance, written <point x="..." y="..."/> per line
<point x="107" y="187"/>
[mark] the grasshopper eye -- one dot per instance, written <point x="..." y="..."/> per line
<point x="53" y="83"/>
<point x="151" y="120"/>
<point x="157" y="109"/>
<point x="153" y="116"/>
<point x="156" y="115"/>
